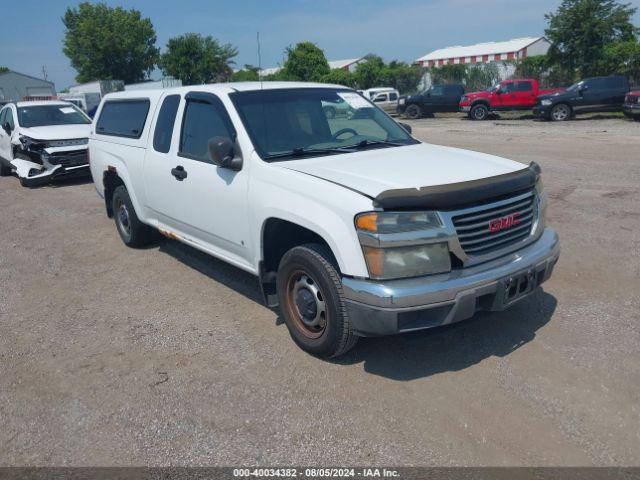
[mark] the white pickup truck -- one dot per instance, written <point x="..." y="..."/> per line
<point x="352" y="226"/>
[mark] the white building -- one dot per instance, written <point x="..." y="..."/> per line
<point x="515" y="49"/>
<point x="348" y="64"/>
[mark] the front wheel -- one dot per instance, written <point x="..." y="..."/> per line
<point x="133" y="232"/>
<point x="312" y="303"/>
<point x="479" y="112"/>
<point x="413" y="112"/>
<point x="560" y="112"/>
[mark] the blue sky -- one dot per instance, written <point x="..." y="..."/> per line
<point x="32" y="32"/>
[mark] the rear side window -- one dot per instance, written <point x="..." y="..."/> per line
<point x="524" y="87"/>
<point x="201" y="122"/>
<point x="393" y="96"/>
<point x="164" y="125"/>
<point x="123" y="118"/>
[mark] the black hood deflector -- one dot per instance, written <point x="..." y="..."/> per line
<point x="457" y="195"/>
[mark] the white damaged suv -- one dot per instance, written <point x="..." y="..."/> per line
<point x="43" y="140"/>
<point x="351" y="225"/>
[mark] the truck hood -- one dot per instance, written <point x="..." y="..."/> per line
<point x="481" y="94"/>
<point x="57" y="132"/>
<point x="372" y="172"/>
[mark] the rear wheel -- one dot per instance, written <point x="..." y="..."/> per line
<point x="413" y="112"/>
<point x="312" y="303"/>
<point x="479" y="112"/>
<point x="133" y="232"/>
<point x="560" y="112"/>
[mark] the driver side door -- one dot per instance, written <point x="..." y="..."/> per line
<point x="192" y="196"/>
<point x="6" y="116"/>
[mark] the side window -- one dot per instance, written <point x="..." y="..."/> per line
<point x="508" y="87"/>
<point x="201" y="122"/>
<point x="3" y="115"/>
<point x="436" y="91"/>
<point x="524" y="86"/>
<point x="123" y="118"/>
<point x="393" y="96"/>
<point x="8" y="117"/>
<point x="381" y="97"/>
<point x="164" y="125"/>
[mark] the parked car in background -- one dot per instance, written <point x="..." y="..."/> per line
<point x="436" y="99"/>
<point x="631" y="107"/>
<point x="372" y="92"/>
<point x="596" y="94"/>
<point x="387" y="101"/>
<point x="40" y="141"/>
<point x="516" y="94"/>
<point x="351" y="225"/>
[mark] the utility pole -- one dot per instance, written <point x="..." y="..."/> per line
<point x="44" y="73"/>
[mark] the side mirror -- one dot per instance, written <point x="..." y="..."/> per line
<point x="583" y="88"/>
<point x="222" y="153"/>
<point x="6" y="127"/>
<point x="405" y="126"/>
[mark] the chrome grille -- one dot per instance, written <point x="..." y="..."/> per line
<point x="69" y="159"/>
<point x="473" y="227"/>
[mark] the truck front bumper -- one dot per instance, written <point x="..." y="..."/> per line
<point x="631" y="109"/>
<point x="542" y="111"/>
<point x="385" y="308"/>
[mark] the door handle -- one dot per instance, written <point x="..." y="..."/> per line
<point x="179" y="172"/>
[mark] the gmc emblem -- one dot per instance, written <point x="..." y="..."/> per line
<point x="503" y="223"/>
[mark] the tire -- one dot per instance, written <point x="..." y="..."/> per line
<point x="308" y="281"/>
<point x="560" y="112"/>
<point x="479" y="112"/>
<point x="413" y="112"/>
<point x="330" y="112"/>
<point x="5" y="171"/>
<point x="132" y="231"/>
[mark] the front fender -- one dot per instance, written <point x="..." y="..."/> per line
<point x="322" y="207"/>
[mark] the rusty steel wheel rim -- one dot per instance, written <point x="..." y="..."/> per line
<point x="305" y="304"/>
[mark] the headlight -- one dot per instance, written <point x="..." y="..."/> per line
<point x="392" y="262"/>
<point x="396" y="222"/>
<point x="403" y="262"/>
<point x="546" y="102"/>
<point x="402" y="101"/>
<point x="464" y="99"/>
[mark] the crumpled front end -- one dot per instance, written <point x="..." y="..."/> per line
<point x="39" y="162"/>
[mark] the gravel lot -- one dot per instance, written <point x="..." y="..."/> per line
<point x="113" y="356"/>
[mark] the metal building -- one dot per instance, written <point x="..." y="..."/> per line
<point x="16" y="86"/>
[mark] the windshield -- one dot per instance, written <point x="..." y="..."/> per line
<point x="57" y="114"/>
<point x="287" y="123"/>
<point x="575" y="86"/>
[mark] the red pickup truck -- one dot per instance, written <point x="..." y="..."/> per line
<point x="517" y="94"/>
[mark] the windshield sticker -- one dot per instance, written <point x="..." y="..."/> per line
<point x="354" y="100"/>
<point x="67" y="110"/>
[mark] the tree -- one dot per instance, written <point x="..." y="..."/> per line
<point x="401" y="76"/>
<point x="368" y="74"/>
<point x="581" y="30"/>
<point x="449" y="73"/>
<point x="340" y="76"/>
<point x="195" y="59"/>
<point x="105" y="43"/>
<point x="3" y="69"/>
<point x="305" y="62"/>
<point x="248" y="74"/>
<point x="623" y="58"/>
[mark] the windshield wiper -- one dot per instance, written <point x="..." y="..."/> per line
<point x="303" y="151"/>
<point x="370" y="143"/>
